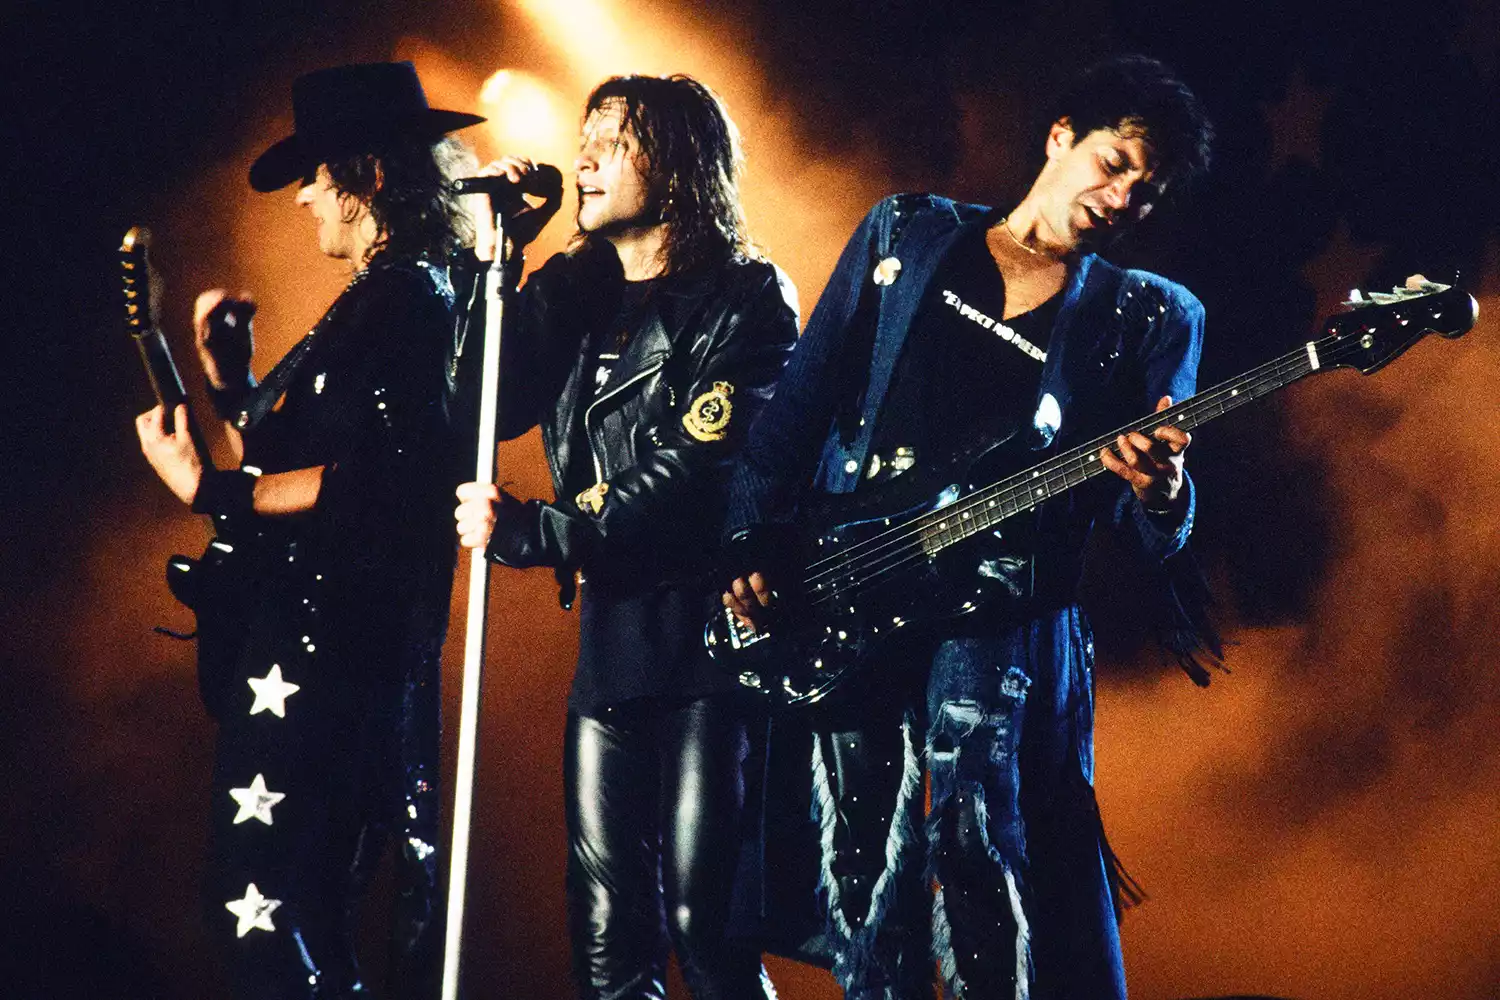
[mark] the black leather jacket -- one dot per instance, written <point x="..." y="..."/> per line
<point x="654" y="447"/>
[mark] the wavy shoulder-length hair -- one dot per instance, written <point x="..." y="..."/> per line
<point x="408" y="190"/>
<point x="692" y="161"/>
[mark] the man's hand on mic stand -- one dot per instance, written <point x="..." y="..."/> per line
<point x="521" y="228"/>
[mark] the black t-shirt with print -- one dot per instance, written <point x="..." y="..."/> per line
<point x="963" y="376"/>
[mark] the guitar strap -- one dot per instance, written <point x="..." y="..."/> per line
<point x="262" y="399"/>
<point x="859" y="349"/>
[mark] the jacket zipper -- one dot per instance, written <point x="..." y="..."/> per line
<point x="646" y="373"/>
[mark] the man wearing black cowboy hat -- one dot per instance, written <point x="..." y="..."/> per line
<point x="322" y="666"/>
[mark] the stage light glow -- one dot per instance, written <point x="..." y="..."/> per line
<point x="524" y="112"/>
<point x="587" y="33"/>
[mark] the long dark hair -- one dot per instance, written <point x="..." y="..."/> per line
<point x="692" y="162"/>
<point x="407" y="188"/>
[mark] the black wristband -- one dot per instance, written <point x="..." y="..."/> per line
<point x="225" y="491"/>
<point x="1171" y="514"/>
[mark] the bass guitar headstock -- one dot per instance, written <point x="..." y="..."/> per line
<point x="1379" y="326"/>
<point x="139" y="281"/>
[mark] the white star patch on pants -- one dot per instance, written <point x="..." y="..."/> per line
<point x="256" y="801"/>
<point x="271" y="692"/>
<point x="254" y="911"/>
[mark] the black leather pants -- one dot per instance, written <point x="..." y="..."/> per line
<point x="654" y="795"/>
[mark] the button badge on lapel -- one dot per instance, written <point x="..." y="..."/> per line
<point x="887" y="271"/>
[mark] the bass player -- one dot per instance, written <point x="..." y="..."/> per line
<point x="943" y="324"/>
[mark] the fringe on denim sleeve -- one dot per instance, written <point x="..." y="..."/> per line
<point x="1124" y="890"/>
<point x="1184" y="620"/>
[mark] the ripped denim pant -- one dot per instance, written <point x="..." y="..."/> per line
<point x="1011" y="841"/>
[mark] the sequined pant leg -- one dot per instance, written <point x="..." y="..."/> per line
<point x="976" y="839"/>
<point x="416" y="945"/>
<point x="1024" y="909"/>
<point x="869" y="794"/>
<point x="307" y="868"/>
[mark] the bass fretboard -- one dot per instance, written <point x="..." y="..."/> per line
<point x="987" y="507"/>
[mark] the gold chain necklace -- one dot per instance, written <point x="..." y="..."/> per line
<point x="1005" y="225"/>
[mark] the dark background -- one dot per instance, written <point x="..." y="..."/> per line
<point x="1320" y="823"/>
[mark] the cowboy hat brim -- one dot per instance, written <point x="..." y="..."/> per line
<point x="296" y="156"/>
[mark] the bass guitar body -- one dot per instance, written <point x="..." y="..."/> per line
<point x="880" y="565"/>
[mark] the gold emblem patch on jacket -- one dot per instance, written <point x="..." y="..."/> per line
<point x="592" y="499"/>
<point x="708" y="417"/>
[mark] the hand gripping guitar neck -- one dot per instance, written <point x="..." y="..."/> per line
<point x="188" y="579"/>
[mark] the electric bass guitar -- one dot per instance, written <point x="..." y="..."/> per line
<point x="929" y="546"/>
<point x="192" y="581"/>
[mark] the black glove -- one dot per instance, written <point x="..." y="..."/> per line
<point x="527" y="223"/>
<point x="516" y="540"/>
<point x="230" y="339"/>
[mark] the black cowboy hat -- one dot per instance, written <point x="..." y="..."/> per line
<point x="352" y="109"/>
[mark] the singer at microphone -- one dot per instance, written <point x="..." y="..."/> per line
<point x="656" y="306"/>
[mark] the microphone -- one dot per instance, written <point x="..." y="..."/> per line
<point x="544" y="181"/>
